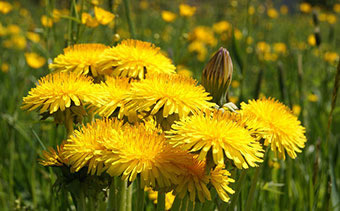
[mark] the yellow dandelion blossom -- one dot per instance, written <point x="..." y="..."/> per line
<point x="13" y="29"/>
<point x="168" y="16"/>
<point x="277" y="125"/>
<point x="312" y="97"/>
<point x="336" y="8"/>
<point x="220" y="133"/>
<point x="34" y="60"/>
<point x="169" y="197"/>
<point x="112" y="95"/>
<point x="52" y="157"/>
<point x="203" y="34"/>
<point x="86" y="145"/>
<point x="5" y="7"/>
<point x="280" y="48"/>
<point x="4" y="67"/>
<point x="46" y="21"/>
<point x="193" y="180"/>
<point x="80" y="59"/>
<point x="59" y="91"/>
<point x="103" y="17"/>
<point x="305" y="7"/>
<point x="220" y="179"/>
<point x="166" y="96"/>
<point x="34" y="37"/>
<point x="272" y="13"/>
<point x="331" y="57"/>
<point x="88" y="20"/>
<point x="222" y="26"/>
<point x="284" y="9"/>
<point x="186" y="10"/>
<point x="142" y="150"/>
<point x="134" y="58"/>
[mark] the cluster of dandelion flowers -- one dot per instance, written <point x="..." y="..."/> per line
<point x="219" y="133"/>
<point x="113" y="92"/>
<point x="58" y="92"/>
<point x="165" y="95"/>
<point x="86" y="146"/>
<point x="276" y="124"/>
<point x="80" y="59"/>
<point x="134" y="58"/>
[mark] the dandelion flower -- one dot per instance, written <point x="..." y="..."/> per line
<point x="276" y="124"/>
<point x="46" y="21"/>
<point x="142" y="150"/>
<point x="219" y="132"/>
<point x="220" y="179"/>
<point x="85" y="146"/>
<point x="186" y="10"/>
<point x="168" y="16"/>
<point x="112" y="95"/>
<point x="103" y="17"/>
<point x="80" y="58"/>
<point x="134" y="58"/>
<point x="34" y="60"/>
<point x="166" y="96"/>
<point x="61" y="93"/>
<point x="88" y="20"/>
<point x="5" y="7"/>
<point x="52" y="157"/>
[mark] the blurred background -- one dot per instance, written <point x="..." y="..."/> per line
<point x="285" y="49"/>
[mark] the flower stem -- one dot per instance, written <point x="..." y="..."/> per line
<point x="112" y="196"/>
<point x="237" y="190"/>
<point x="81" y="206"/>
<point x="253" y="187"/>
<point x="129" y="198"/>
<point x="140" y="196"/>
<point x="128" y="17"/>
<point x="161" y="201"/>
<point x="122" y="192"/>
<point x="68" y="122"/>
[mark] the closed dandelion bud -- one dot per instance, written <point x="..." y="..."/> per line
<point x="217" y="75"/>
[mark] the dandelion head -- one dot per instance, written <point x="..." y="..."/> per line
<point x="220" y="179"/>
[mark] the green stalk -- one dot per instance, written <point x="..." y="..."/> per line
<point x="140" y="196"/>
<point x="112" y="196"/>
<point x="161" y="201"/>
<point x="80" y="23"/>
<point x="123" y="193"/>
<point x="177" y="204"/>
<point x="129" y="198"/>
<point x="237" y="190"/>
<point x="128" y="17"/>
<point x="81" y="204"/>
<point x="68" y="122"/>
<point x="253" y="188"/>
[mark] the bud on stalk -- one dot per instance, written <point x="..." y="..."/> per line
<point x="217" y="75"/>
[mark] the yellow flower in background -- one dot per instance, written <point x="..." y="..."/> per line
<point x="272" y="13"/>
<point x="18" y="42"/>
<point x="203" y="34"/>
<point x="199" y="48"/>
<point x="59" y="91"/>
<point x="46" y="21"/>
<point x="233" y="99"/>
<point x="4" y="67"/>
<point x="220" y="133"/>
<point x="276" y="124"/>
<point x="220" y="179"/>
<point x="238" y="34"/>
<point x="88" y="20"/>
<point x="144" y="4"/>
<point x="5" y="7"/>
<point x="168" y="16"/>
<point x="284" y="9"/>
<point x="305" y="7"/>
<point x="222" y="26"/>
<point x="56" y="15"/>
<point x="323" y="17"/>
<point x="80" y="59"/>
<point x="331" y="19"/>
<point x="103" y="17"/>
<point x="263" y="47"/>
<point x="169" y="197"/>
<point x="280" y="48"/>
<point x="311" y="40"/>
<point x="251" y="10"/>
<point x="331" y="57"/>
<point x="167" y="96"/>
<point x="34" y="60"/>
<point x="296" y="110"/>
<point x="13" y="29"/>
<point x="313" y="98"/>
<point x="134" y="58"/>
<point x="183" y="70"/>
<point x="34" y="37"/>
<point x="186" y="10"/>
<point x="336" y="8"/>
<point x="235" y="84"/>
